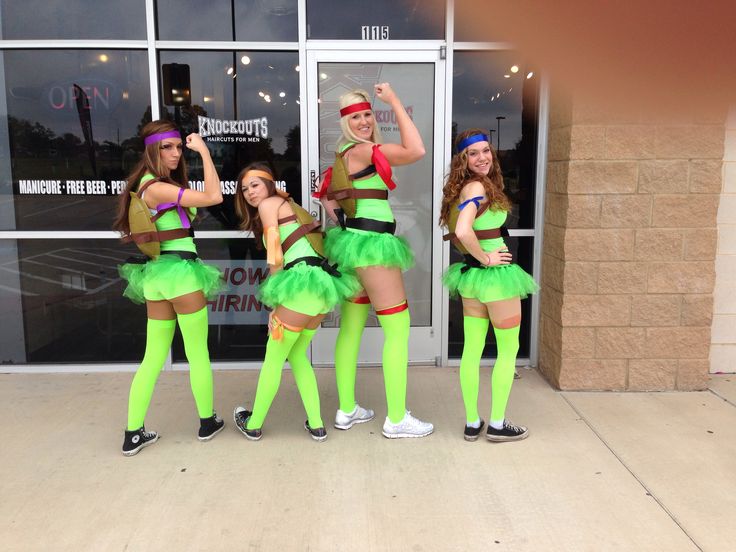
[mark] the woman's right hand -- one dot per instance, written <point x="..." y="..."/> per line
<point x="195" y="143"/>
<point x="385" y="93"/>
<point x="500" y="256"/>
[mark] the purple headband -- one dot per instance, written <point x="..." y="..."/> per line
<point x="153" y="138"/>
<point x="470" y="140"/>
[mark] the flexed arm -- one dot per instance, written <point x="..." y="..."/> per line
<point x="411" y="148"/>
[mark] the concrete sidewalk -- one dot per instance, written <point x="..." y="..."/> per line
<point x="600" y="471"/>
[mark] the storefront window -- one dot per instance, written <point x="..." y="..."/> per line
<point x="238" y="321"/>
<point x="73" y="19"/>
<point x="70" y="123"/>
<point x="493" y="91"/>
<point x="244" y="20"/>
<point x="377" y="20"/>
<point x="246" y="107"/>
<point x="62" y="303"/>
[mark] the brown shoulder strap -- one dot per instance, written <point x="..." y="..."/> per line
<point x="146" y="184"/>
<point x="284" y="220"/>
<point x="347" y="149"/>
<point x="300" y="232"/>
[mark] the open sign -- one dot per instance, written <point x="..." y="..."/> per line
<point x="83" y="93"/>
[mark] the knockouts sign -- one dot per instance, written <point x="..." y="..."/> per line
<point x="221" y="130"/>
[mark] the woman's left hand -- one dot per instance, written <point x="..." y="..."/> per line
<point x="385" y="93"/>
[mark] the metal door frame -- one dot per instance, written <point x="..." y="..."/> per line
<point x="425" y="342"/>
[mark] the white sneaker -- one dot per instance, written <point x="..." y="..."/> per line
<point x="408" y="427"/>
<point x="359" y="415"/>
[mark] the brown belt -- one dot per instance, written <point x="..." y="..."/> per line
<point x="146" y="237"/>
<point x="353" y="193"/>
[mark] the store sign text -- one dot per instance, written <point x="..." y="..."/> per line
<point x="221" y="130"/>
<point x="92" y="95"/>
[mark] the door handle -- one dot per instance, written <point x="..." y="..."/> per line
<point x="313" y="183"/>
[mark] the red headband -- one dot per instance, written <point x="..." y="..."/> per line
<point x="361" y="106"/>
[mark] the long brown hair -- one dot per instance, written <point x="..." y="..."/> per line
<point x="150" y="163"/>
<point x="460" y="175"/>
<point x="249" y="218"/>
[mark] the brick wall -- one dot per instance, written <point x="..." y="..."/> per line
<point x="723" y="349"/>
<point x="629" y="250"/>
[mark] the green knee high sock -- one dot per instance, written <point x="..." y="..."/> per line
<point x="395" y="359"/>
<point x="194" y="330"/>
<point x="270" y="377"/>
<point x="159" y="334"/>
<point x="347" y="347"/>
<point x="507" y="343"/>
<point x="473" y="344"/>
<point x="305" y="379"/>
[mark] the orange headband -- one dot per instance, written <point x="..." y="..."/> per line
<point x="260" y="174"/>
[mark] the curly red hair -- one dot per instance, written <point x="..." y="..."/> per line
<point x="460" y="175"/>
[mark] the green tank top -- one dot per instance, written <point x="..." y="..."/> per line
<point x="171" y="221"/>
<point x="377" y="209"/>
<point x="491" y="218"/>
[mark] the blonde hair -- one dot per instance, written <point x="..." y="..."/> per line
<point x="350" y="98"/>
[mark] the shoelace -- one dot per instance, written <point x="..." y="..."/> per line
<point x="512" y="427"/>
<point x="412" y="421"/>
<point x="148" y="434"/>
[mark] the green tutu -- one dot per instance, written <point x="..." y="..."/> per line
<point x="307" y="289"/>
<point x="352" y="249"/>
<point x="169" y="277"/>
<point x="488" y="284"/>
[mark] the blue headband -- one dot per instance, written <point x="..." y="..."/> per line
<point x="472" y="140"/>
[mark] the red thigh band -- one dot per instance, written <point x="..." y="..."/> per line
<point x="393" y="310"/>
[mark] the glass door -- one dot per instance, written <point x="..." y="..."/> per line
<point x="417" y="80"/>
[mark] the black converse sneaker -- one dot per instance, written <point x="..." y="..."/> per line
<point x="471" y="433"/>
<point x="317" y="433"/>
<point x="209" y="427"/>
<point x="137" y="439"/>
<point x="241" y="417"/>
<point x="510" y="432"/>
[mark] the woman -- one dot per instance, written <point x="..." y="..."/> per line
<point x="355" y="194"/>
<point x="301" y="288"/>
<point x="474" y="207"/>
<point x="175" y="285"/>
